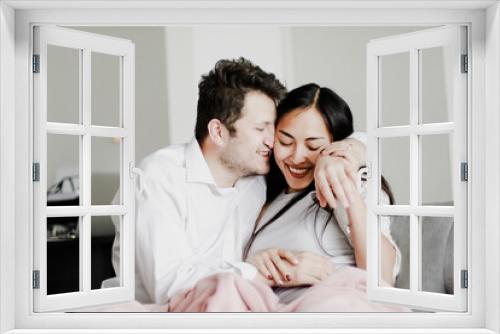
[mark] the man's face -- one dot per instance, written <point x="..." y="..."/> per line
<point x="248" y="150"/>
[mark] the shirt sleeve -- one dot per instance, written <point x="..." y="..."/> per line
<point x="361" y="136"/>
<point x="166" y="260"/>
<point x="385" y="227"/>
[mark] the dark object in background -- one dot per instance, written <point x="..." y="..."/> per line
<point x="63" y="228"/>
<point x="63" y="264"/>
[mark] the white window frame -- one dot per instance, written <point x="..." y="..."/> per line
<point x="16" y="19"/>
<point x="86" y="43"/>
<point x="454" y="38"/>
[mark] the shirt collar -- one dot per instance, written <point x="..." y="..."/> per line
<point x="196" y="166"/>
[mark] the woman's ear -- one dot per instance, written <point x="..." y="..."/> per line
<point x="216" y="132"/>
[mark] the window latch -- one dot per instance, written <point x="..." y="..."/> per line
<point x="133" y="171"/>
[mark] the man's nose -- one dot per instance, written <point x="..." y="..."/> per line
<point x="269" y="140"/>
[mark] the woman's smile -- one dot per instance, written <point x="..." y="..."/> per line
<point x="298" y="172"/>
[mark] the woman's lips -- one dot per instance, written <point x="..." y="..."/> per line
<point x="298" y="172"/>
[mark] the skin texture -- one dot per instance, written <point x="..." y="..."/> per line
<point x="247" y="151"/>
<point x="300" y="135"/>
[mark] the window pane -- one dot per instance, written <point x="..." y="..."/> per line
<point x="437" y="254"/>
<point x="63" y="255"/>
<point x="63" y="169"/>
<point x="400" y="233"/>
<point x="394" y="89"/>
<point x="395" y="168"/>
<point x="105" y="170"/>
<point x="436" y="184"/>
<point x="434" y="93"/>
<point x="103" y="234"/>
<point x="63" y="84"/>
<point x="106" y="89"/>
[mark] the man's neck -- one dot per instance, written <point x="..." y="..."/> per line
<point x="224" y="177"/>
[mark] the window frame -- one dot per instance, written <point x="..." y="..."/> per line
<point x="16" y="153"/>
<point x="85" y="130"/>
<point x="412" y="44"/>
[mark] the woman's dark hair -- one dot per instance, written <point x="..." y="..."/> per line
<point x="222" y="92"/>
<point x="338" y="119"/>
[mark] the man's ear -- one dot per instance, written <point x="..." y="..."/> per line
<point x="217" y="132"/>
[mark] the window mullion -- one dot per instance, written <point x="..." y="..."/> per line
<point x="85" y="227"/>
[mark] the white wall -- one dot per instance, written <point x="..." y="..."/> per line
<point x="193" y="51"/>
<point x="336" y="57"/>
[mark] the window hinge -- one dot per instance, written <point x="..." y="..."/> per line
<point x="36" y="172"/>
<point x="36" y="279"/>
<point x="36" y="63"/>
<point x="464" y="279"/>
<point x="465" y="64"/>
<point x="464" y="171"/>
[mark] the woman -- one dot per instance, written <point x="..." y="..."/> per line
<point x="322" y="240"/>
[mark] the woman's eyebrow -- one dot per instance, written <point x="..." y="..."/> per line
<point x="315" y="138"/>
<point x="285" y="133"/>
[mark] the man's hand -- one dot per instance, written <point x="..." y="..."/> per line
<point x="337" y="165"/>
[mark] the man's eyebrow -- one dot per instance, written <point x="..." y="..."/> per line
<point x="266" y="123"/>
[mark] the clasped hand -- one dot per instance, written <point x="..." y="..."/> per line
<point x="335" y="170"/>
<point x="278" y="267"/>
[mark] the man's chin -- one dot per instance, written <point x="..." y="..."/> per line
<point x="263" y="170"/>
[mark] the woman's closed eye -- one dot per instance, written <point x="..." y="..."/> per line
<point x="285" y="143"/>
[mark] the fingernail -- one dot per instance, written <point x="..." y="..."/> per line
<point x="288" y="278"/>
<point x="280" y="282"/>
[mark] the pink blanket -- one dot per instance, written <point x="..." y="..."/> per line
<point x="344" y="291"/>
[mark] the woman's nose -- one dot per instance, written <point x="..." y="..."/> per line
<point x="298" y="154"/>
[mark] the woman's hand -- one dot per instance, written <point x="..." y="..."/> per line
<point x="287" y="269"/>
<point x="275" y="264"/>
<point x="311" y="269"/>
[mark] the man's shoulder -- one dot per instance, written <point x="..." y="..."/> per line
<point x="253" y="183"/>
<point x="167" y="160"/>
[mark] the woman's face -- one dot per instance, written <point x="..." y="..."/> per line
<point x="300" y="135"/>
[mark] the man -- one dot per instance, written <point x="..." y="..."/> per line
<point x="197" y="203"/>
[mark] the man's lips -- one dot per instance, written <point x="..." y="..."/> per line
<point x="264" y="154"/>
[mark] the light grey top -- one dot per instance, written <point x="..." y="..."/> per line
<point x="302" y="228"/>
<point x="296" y="230"/>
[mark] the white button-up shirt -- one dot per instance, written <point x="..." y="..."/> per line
<point x="187" y="228"/>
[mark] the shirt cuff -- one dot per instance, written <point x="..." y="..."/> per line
<point x="246" y="270"/>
